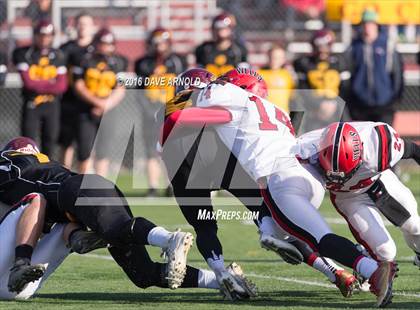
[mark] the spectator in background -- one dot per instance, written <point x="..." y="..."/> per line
<point x="95" y="83"/>
<point x="159" y="63"/>
<point x="324" y="77"/>
<point x="279" y="76"/>
<point x="223" y="53"/>
<point x="38" y="10"/>
<point x="3" y="68"/>
<point x="74" y="50"/>
<point x="376" y="73"/>
<point x="44" y="76"/>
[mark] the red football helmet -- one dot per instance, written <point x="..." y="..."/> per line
<point x="246" y="79"/>
<point x="22" y="145"/>
<point x="341" y="152"/>
<point x="195" y="78"/>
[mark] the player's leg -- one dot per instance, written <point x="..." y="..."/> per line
<point x="191" y="174"/>
<point x="287" y="198"/>
<point x="144" y="273"/>
<point x="85" y="137"/>
<point x="272" y="237"/>
<point x="30" y="123"/>
<point x="366" y="225"/>
<point x="397" y="203"/>
<point x="50" y="127"/>
<point x="103" y="208"/>
<point x="28" y="231"/>
<point x="50" y="252"/>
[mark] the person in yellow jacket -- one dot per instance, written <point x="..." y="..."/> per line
<point x="279" y="76"/>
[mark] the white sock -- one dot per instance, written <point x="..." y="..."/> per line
<point x="159" y="237"/>
<point x="216" y="263"/>
<point x="366" y="267"/>
<point x="207" y="279"/>
<point x="322" y="265"/>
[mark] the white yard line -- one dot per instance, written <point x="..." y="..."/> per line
<point x="284" y="279"/>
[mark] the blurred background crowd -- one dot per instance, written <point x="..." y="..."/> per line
<point x="60" y="62"/>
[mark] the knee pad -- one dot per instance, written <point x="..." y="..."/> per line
<point x="411" y="226"/>
<point x="386" y="251"/>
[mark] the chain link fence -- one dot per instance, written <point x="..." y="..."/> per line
<point x="271" y="16"/>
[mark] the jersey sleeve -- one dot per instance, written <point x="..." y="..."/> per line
<point x="19" y="60"/>
<point x="308" y="144"/>
<point x="389" y="146"/>
<point x="214" y="95"/>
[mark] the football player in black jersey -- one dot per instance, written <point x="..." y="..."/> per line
<point x="324" y="77"/>
<point x="73" y="51"/>
<point x="159" y="64"/>
<point x="223" y="53"/>
<point x="95" y="83"/>
<point x="44" y="76"/>
<point x="94" y="202"/>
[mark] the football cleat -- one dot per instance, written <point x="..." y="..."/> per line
<point x="82" y="241"/>
<point x="22" y="273"/>
<point x="346" y="282"/>
<point x="249" y="287"/>
<point x="234" y="285"/>
<point x="381" y="283"/>
<point x="416" y="261"/>
<point x="288" y="252"/>
<point x="176" y="255"/>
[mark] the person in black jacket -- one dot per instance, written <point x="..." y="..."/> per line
<point x="224" y="52"/>
<point x="323" y="78"/>
<point x="73" y="51"/>
<point x="156" y="69"/>
<point x="96" y="85"/>
<point x="44" y="76"/>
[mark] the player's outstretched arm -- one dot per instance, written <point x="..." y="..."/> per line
<point x="192" y="117"/>
<point x="411" y="150"/>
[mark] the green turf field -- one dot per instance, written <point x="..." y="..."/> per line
<point x="95" y="282"/>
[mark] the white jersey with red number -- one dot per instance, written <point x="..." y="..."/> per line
<point x="382" y="149"/>
<point x="260" y="135"/>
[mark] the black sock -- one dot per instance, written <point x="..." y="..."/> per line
<point x="140" y="229"/>
<point x="23" y="251"/>
<point x="191" y="277"/>
<point x="339" y="249"/>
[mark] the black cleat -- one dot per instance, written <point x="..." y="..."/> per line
<point x="22" y="273"/>
<point x="82" y="241"/>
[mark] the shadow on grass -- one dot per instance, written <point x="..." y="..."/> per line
<point x="267" y="299"/>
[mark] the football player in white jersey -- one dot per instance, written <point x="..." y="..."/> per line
<point x="262" y="139"/>
<point x="353" y="160"/>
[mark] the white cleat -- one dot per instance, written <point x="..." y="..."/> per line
<point x="176" y="255"/>
<point x="249" y="287"/>
<point x="234" y="285"/>
<point x="288" y="252"/>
